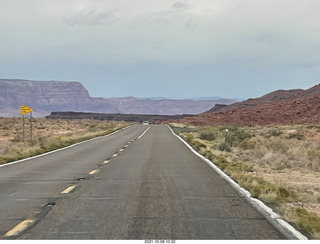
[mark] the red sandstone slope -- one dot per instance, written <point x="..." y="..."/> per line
<point x="279" y="107"/>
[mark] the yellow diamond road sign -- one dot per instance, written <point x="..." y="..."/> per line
<point x="25" y="109"/>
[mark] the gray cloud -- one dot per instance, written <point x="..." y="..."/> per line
<point x="89" y="17"/>
<point x="181" y="6"/>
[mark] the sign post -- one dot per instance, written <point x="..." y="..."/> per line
<point x="23" y="127"/>
<point x="25" y="110"/>
<point x="31" y="125"/>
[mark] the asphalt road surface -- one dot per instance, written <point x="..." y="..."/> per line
<point x="139" y="183"/>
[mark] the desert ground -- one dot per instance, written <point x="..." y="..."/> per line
<point x="47" y="135"/>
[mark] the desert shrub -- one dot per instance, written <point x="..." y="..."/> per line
<point x="240" y="135"/>
<point x="220" y="161"/>
<point x="208" y="154"/>
<point x="282" y="165"/>
<point x="313" y="155"/>
<point x="309" y="222"/>
<point x="42" y="142"/>
<point x="297" y="136"/>
<point x="247" y="144"/>
<point x="278" y="145"/>
<point x="265" y="191"/>
<point x="188" y="137"/>
<point x="207" y="135"/>
<point x="198" y="145"/>
<point x="283" y="193"/>
<point x="255" y="185"/>
<point x="275" y="132"/>
<point x="246" y="167"/>
<point x="17" y="138"/>
<point x="92" y="127"/>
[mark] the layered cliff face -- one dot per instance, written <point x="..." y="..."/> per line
<point x="45" y="97"/>
<point x="42" y="93"/>
<point x="48" y="96"/>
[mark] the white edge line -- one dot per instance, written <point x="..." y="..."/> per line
<point x="60" y="149"/>
<point x="255" y="202"/>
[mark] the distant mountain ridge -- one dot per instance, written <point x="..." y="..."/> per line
<point x="48" y="96"/>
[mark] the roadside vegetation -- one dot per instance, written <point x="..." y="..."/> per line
<point x="280" y="165"/>
<point x="47" y="135"/>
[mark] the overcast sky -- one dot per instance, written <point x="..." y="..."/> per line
<point x="163" y="48"/>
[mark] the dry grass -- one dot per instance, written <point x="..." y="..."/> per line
<point x="280" y="165"/>
<point x="47" y="135"/>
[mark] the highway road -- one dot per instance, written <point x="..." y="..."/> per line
<point x="139" y="183"/>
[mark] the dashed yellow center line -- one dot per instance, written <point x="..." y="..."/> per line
<point x="115" y="155"/>
<point x="19" y="228"/>
<point x="93" y="172"/>
<point x="121" y="150"/>
<point x="144" y="132"/>
<point x="68" y="190"/>
<point x="107" y="161"/>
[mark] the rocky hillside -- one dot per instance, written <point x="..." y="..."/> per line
<point x="47" y="96"/>
<point x="280" y="107"/>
